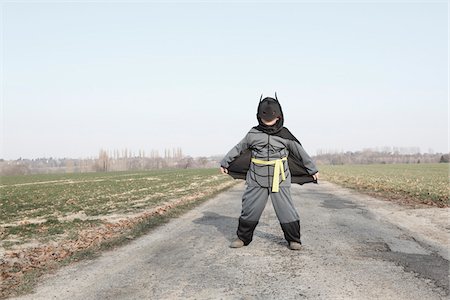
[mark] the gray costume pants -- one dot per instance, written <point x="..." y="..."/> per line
<point x="254" y="201"/>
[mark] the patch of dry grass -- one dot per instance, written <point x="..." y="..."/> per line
<point x="409" y="183"/>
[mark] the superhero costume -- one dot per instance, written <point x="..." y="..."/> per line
<point x="269" y="158"/>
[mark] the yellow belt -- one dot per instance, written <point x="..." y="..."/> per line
<point x="279" y="168"/>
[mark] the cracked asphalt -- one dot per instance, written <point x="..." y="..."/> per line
<point x="355" y="247"/>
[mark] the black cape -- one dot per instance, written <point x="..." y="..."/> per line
<point x="240" y="165"/>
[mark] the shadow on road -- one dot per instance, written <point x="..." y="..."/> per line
<point x="224" y="224"/>
<point x="276" y="239"/>
<point x="227" y="226"/>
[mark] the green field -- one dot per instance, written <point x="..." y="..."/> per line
<point x="41" y="206"/>
<point x="408" y="183"/>
<point x="47" y="220"/>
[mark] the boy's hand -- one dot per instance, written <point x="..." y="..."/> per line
<point x="316" y="176"/>
<point x="223" y="170"/>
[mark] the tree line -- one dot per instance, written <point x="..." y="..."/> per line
<point x="379" y="157"/>
<point x="126" y="160"/>
<point x="107" y="161"/>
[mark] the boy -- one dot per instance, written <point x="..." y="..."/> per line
<point x="269" y="157"/>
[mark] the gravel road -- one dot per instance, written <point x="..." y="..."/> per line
<point x="355" y="247"/>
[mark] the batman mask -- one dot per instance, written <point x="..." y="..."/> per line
<point x="268" y="110"/>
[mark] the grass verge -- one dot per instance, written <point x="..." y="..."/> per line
<point x="409" y="184"/>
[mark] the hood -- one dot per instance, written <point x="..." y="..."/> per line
<point x="268" y="109"/>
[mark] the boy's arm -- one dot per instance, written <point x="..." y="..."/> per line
<point x="298" y="151"/>
<point x="234" y="152"/>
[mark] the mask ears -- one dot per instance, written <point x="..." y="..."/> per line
<point x="276" y="96"/>
<point x="260" y="99"/>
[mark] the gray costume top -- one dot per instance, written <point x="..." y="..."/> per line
<point x="268" y="147"/>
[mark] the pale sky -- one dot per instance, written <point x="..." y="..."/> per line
<point x="79" y="76"/>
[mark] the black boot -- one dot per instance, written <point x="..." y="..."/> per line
<point x="245" y="230"/>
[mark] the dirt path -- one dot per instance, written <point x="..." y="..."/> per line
<point x="355" y="247"/>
